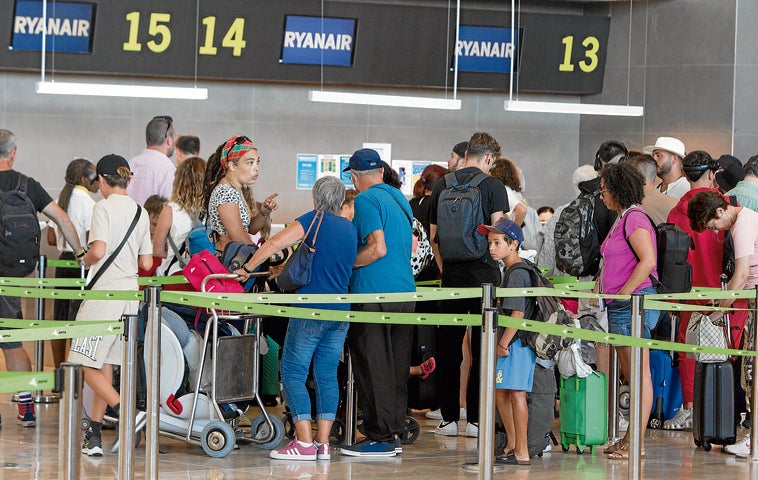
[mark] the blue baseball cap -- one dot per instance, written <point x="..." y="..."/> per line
<point x="364" y="159"/>
<point x="504" y="226"/>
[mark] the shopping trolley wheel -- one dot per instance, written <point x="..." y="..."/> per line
<point x="217" y="439"/>
<point x="289" y="427"/>
<point x="262" y="434"/>
<point x="412" y="430"/>
<point x="337" y="435"/>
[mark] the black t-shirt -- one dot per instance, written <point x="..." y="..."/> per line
<point x="39" y="197"/>
<point x="494" y="199"/>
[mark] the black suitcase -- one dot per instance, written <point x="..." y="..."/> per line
<point x="713" y="416"/>
<point x="422" y="393"/>
<point x="541" y="402"/>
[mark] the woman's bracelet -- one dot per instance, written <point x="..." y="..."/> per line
<point x="80" y="254"/>
<point x="244" y="267"/>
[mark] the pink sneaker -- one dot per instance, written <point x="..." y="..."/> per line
<point x="295" y="451"/>
<point x="323" y="451"/>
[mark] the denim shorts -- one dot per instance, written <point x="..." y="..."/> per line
<point x="620" y="316"/>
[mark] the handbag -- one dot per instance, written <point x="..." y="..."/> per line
<point x="115" y="252"/>
<point x="297" y="271"/>
<point x="205" y="263"/>
<point x="708" y="333"/>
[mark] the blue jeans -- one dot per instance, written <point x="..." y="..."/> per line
<point x="322" y="342"/>
<point x="620" y="316"/>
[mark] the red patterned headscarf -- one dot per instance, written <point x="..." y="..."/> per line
<point x="234" y="149"/>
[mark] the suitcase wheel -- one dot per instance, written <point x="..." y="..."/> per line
<point x="698" y="443"/>
<point x="706" y="446"/>
<point x="580" y="449"/>
<point x="655" y="423"/>
<point x="565" y="448"/>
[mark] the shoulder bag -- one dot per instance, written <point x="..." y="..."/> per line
<point x="297" y="271"/>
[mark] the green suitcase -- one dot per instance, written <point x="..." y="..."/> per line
<point x="584" y="411"/>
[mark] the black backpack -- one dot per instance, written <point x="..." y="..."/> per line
<point x="19" y="231"/>
<point x="673" y="245"/>
<point x="459" y="213"/>
<point x="549" y="309"/>
<point x="577" y="246"/>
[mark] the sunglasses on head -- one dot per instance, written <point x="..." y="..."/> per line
<point x="169" y="121"/>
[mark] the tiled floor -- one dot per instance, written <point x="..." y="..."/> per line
<point x="32" y="453"/>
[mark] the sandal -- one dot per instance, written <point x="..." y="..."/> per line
<point x="428" y="367"/>
<point x="615" y="446"/>
<point x="622" y="453"/>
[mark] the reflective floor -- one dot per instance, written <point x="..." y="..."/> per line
<point x="32" y="453"/>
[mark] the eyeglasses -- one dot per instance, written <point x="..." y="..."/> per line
<point x="92" y="181"/>
<point x="169" y="121"/>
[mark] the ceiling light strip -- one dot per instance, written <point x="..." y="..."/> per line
<point x="384" y="100"/>
<point x="573" y="108"/>
<point x="120" y="90"/>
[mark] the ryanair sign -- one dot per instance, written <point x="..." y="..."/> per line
<point x="485" y="49"/>
<point x="68" y="26"/>
<point x="318" y="41"/>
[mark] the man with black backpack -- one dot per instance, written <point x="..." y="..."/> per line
<point x="461" y="201"/>
<point x="21" y="198"/>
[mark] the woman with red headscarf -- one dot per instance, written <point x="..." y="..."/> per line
<point x="232" y="169"/>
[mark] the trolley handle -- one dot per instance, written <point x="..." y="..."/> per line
<point x="231" y="276"/>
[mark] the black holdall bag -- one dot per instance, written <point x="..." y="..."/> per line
<point x="297" y="271"/>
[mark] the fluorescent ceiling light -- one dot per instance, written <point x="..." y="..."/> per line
<point x="575" y="108"/>
<point x="384" y="100"/>
<point x="121" y="90"/>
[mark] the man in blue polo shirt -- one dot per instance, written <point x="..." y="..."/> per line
<point x="381" y="352"/>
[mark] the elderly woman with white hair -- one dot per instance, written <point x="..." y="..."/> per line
<point x="317" y="341"/>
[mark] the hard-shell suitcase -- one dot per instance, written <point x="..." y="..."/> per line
<point x="667" y="388"/>
<point x="713" y="415"/>
<point x="541" y="402"/>
<point x="422" y="393"/>
<point x="584" y="411"/>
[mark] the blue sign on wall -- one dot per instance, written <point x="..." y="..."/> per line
<point x="318" y="41"/>
<point x="485" y="49"/>
<point x="69" y="26"/>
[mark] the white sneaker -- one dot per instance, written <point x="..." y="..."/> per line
<point x="623" y="423"/>
<point x="434" y="414"/>
<point x="741" y="448"/>
<point x="472" y="430"/>
<point x="449" y="429"/>
<point x="681" y="421"/>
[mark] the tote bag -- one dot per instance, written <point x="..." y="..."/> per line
<point x="702" y="331"/>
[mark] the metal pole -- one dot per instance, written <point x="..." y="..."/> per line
<point x="128" y="398"/>
<point x="39" y="345"/>
<point x="69" y="381"/>
<point x="486" y="439"/>
<point x="613" y="394"/>
<point x="153" y="370"/>
<point x="754" y="387"/>
<point x="635" y="390"/>
<point x="350" y="410"/>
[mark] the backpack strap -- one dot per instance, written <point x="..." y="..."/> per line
<point x="113" y="255"/>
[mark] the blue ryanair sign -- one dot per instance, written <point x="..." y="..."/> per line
<point x="485" y="49"/>
<point x="68" y="29"/>
<point x="318" y="41"/>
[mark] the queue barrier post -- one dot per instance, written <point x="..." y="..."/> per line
<point x="39" y="345"/>
<point x="486" y="439"/>
<point x="68" y="381"/>
<point x="635" y="389"/>
<point x="351" y="412"/>
<point x="128" y="399"/>
<point x="613" y="394"/>
<point x="153" y="370"/>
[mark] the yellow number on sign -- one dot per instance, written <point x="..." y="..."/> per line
<point x="235" y="37"/>
<point x="156" y="29"/>
<point x="207" y="47"/>
<point x="567" y="66"/>
<point x="132" y="45"/>
<point x="592" y="45"/>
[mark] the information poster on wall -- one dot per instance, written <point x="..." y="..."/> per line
<point x="383" y="149"/>
<point x="312" y="166"/>
<point x="409" y="171"/>
<point x="307" y="170"/>
<point x="327" y="165"/>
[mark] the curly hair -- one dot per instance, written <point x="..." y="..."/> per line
<point x="702" y="207"/>
<point x="506" y="171"/>
<point x="188" y="185"/>
<point x="624" y="183"/>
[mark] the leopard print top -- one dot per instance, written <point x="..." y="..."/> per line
<point x="225" y="193"/>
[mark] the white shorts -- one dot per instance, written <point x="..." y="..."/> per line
<point x="98" y="350"/>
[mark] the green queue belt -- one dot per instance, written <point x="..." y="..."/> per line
<point x="33" y="330"/>
<point x="80" y="282"/>
<point x="11" y="382"/>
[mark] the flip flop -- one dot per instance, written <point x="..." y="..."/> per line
<point x="622" y="453"/>
<point x="428" y="367"/>
<point x="615" y="446"/>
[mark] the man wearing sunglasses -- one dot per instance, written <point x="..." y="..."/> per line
<point x="153" y="171"/>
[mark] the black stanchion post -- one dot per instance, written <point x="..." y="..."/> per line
<point x="635" y="389"/>
<point x="153" y="370"/>
<point x="39" y="345"/>
<point x="486" y="439"/>
<point x="128" y="399"/>
<point x="69" y="381"/>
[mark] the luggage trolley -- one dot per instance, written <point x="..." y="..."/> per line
<point x="217" y="437"/>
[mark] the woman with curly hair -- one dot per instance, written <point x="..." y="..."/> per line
<point x="629" y="266"/>
<point x="507" y="172"/>
<point x="232" y="215"/>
